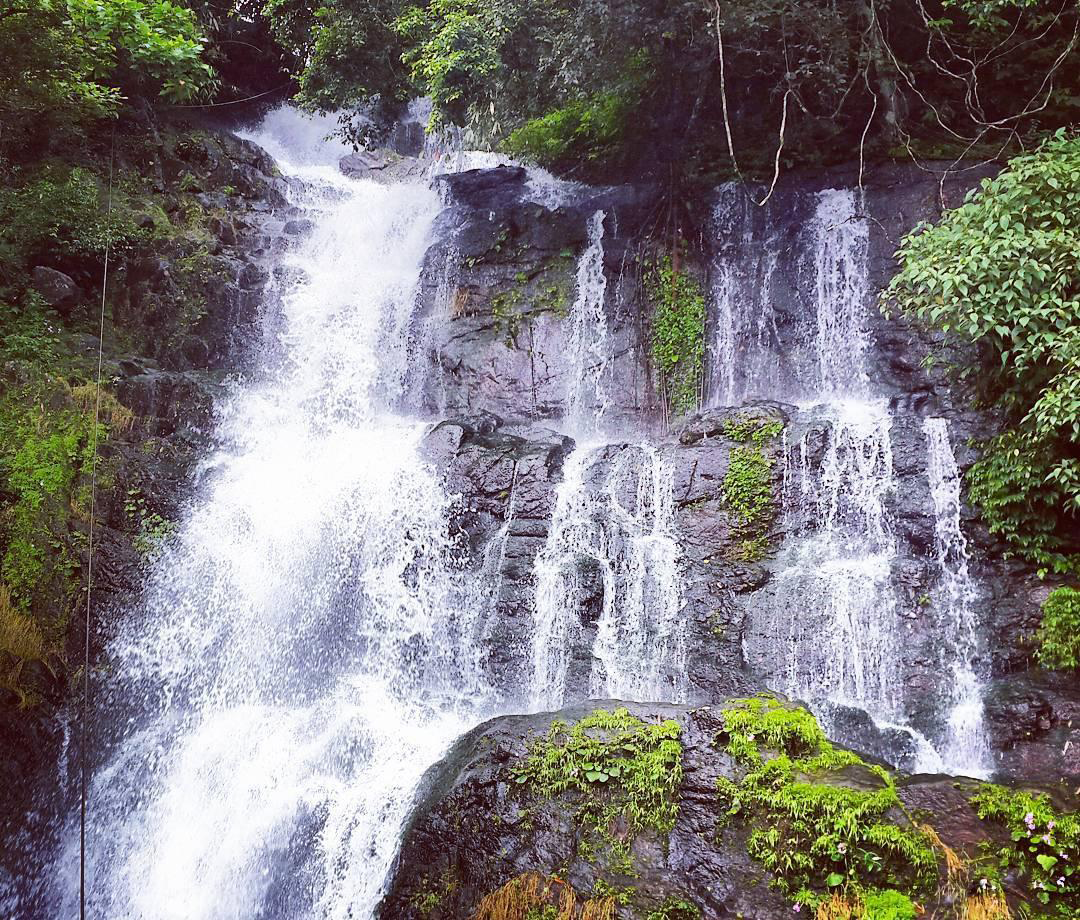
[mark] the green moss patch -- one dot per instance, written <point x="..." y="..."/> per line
<point x="813" y="829"/>
<point x="747" y="486"/>
<point x="678" y="333"/>
<point x="621" y="775"/>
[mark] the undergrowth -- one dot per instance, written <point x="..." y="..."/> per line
<point x="1058" y="637"/>
<point x="1045" y="847"/>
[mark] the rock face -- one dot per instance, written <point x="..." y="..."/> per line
<point x="515" y="265"/>
<point x="481" y="823"/>
<point x="500" y="285"/>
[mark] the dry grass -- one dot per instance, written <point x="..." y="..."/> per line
<point x="598" y="909"/>
<point x="115" y="414"/>
<point x="19" y="634"/>
<point x="524" y="893"/>
<point x="838" y="907"/>
<point x="987" y="906"/>
<point x="955" y="866"/>
<point x="21" y="641"/>
<point x="530" y="891"/>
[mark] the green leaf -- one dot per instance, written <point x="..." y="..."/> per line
<point x="1047" y="862"/>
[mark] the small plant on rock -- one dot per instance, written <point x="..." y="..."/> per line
<point x="1059" y="634"/>
<point x="623" y="774"/>
<point x="1045" y="849"/>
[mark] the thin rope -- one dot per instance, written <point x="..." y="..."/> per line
<point x="214" y="105"/>
<point x="90" y="554"/>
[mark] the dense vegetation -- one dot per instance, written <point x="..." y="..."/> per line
<point x="647" y="84"/>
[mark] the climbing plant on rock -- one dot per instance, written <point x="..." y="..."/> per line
<point x="678" y="332"/>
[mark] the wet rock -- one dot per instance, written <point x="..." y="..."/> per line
<point x="475" y="826"/>
<point x="1034" y="724"/>
<point x="56" y="289"/>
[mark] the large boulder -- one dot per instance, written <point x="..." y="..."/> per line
<point x="653" y="810"/>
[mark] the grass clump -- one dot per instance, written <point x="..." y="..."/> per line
<point x="1059" y="634"/>
<point x="678" y="333"/>
<point x="675" y="909"/>
<point x="818" y="838"/>
<point x="623" y="775"/>
<point x="1045" y="848"/>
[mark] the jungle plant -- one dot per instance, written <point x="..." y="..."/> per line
<point x="64" y="63"/>
<point x="1058" y="637"/>
<point x="1045" y="847"/>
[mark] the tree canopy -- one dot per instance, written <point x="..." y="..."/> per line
<point x="716" y="86"/>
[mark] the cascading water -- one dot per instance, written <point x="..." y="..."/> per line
<point x="612" y="543"/>
<point x="640" y="646"/>
<point x="590" y="340"/>
<point x="843" y="633"/>
<point x="744" y="358"/>
<point x="965" y="746"/>
<point x="613" y="548"/>
<point x="302" y="652"/>
<point x="842" y="644"/>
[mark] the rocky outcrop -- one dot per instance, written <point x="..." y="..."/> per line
<point x="499" y="285"/>
<point x="485" y="817"/>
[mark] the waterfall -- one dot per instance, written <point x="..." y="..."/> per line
<point x="611" y="556"/>
<point x="840" y="242"/>
<point x="743" y="355"/>
<point x="640" y="647"/>
<point x="612" y="549"/>
<point x="831" y="602"/>
<point x="590" y="341"/>
<point x="965" y="745"/>
<point x="842" y="636"/>
<point x="302" y="652"/>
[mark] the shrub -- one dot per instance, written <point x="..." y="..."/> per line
<point x="816" y="837"/>
<point x="1045" y="847"/>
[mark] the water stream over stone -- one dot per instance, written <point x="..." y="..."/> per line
<point x="313" y="637"/>
<point x="965" y="746"/>
<point x="302" y="653"/>
<point x="832" y="601"/>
